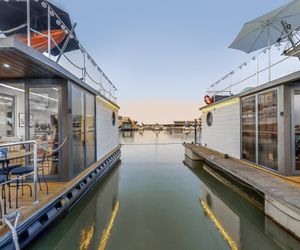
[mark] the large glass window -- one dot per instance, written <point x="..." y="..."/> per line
<point x="267" y="129"/>
<point x="7" y="115"/>
<point x="43" y="116"/>
<point x="296" y="125"/>
<point x="249" y="129"/>
<point x="90" y="129"/>
<point x="78" y="145"/>
<point x="12" y="123"/>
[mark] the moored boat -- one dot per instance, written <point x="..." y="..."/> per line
<point x="58" y="120"/>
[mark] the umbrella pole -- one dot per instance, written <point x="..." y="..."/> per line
<point x="49" y="32"/>
<point x="28" y="24"/>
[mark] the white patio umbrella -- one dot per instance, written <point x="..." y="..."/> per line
<point x="268" y="29"/>
<point x="265" y="31"/>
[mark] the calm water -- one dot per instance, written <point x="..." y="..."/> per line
<point x="153" y="201"/>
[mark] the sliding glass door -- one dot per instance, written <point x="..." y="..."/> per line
<point x="267" y="130"/>
<point x="43" y="120"/>
<point x="78" y="143"/>
<point x="249" y="129"/>
<point x="296" y="130"/>
<point x="83" y="125"/>
<point x="260" y="129"/>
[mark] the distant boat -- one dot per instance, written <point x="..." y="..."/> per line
<point x="158" y="127"/>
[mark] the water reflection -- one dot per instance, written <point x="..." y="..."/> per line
<point x="238" y="212"/>
<point x="159" y="203"/>
<point x="89" y="224"/>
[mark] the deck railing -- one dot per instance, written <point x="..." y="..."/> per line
<point x="78" y="62"/>
<point x="267" y="65"/>
<point x="19" y="178"/>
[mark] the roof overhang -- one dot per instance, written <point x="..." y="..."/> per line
<point x="21" y="62"/>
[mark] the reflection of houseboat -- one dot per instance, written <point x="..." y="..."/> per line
<point x="257" y="127"/>
<point x="49" y="95"/>
<point x="89" y="224"/>
<point x="236" y="211"/>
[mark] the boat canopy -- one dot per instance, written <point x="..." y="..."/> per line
<point x="13" y="22"/>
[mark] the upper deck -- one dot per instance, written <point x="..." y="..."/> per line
<point x="43" y="45"/>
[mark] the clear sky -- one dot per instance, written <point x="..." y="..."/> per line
<point x="163" y="54"/>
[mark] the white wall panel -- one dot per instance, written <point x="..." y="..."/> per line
<point x="224" y="134"/>
<point x="107" y="134"/>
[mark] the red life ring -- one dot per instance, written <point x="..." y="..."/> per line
<point x="208" y="100"/>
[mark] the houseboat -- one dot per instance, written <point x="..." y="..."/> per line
<point x="260" y="124"/>
<point x="251" y="116"/>
<point x="58" y="119"/>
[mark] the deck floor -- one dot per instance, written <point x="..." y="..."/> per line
<point x="284" y="189"/>
<point x="26" y="202"/>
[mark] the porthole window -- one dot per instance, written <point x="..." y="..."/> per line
<point x="113" y="119"/>
<point x="209" y="119"/>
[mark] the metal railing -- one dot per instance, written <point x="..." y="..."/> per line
<point x="35" y="166"/>
<point x="78" y="62"/>
<point x="267" y="65"/>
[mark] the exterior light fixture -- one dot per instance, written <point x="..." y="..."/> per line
<point x="5" y="65"/>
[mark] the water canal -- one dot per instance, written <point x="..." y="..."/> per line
<point x="152" y="200"/>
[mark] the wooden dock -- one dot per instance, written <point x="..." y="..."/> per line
<point x="281" y="194"/>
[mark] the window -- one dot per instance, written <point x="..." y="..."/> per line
<point x="7" y="115"/>
<point x="113" y="118"/>
<point x="83" y="119"/>
<point x="78" y="144"/>
<point x="209" y="119"/>
<point x="267" y="129"/>
<point x="90" y="129"/>
<point x="249" y="129"/>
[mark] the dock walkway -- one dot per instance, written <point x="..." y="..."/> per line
<point x="282" y="192"/>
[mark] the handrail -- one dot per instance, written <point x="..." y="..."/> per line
<point x="216" y="87"/>
<point x="103" y="79"/>
<point x="35" y="165"/>
<point x="14" y="29"/>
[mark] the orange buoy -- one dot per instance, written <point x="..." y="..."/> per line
<point x="208" y="100"/>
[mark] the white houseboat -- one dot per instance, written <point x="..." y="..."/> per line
<point x="255" y="116"/>
<point x="58" y="119"/>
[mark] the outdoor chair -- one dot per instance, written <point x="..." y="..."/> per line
<point x="28" y="169"/>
